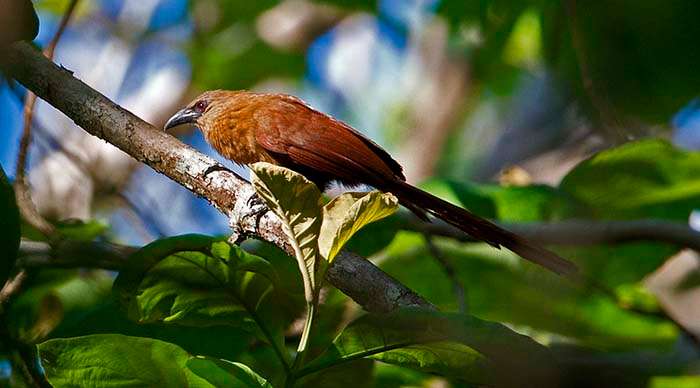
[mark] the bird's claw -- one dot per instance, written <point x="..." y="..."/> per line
<point x="213" y="168"/>
<point x="254" y="201"/>
<point x="254" y="207"/>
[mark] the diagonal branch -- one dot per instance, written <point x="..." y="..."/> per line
<point x="352" y="274"/>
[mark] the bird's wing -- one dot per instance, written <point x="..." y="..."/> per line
<point x="317" y="141"/>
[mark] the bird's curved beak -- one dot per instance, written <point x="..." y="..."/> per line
<point x="183" y="116"/>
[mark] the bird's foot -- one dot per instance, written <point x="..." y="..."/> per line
<point x="213" y="168"/>
<point x="254" y="208"/>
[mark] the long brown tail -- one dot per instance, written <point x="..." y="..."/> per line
<point x="480" y="228"/>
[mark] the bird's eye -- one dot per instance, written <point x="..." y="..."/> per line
<point x="200" y="106"/>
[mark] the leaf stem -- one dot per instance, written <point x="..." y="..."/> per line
<point x="303" y="342"/>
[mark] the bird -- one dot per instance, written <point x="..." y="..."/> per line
<point x="248" y="127"/>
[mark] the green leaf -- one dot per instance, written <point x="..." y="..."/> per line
<point x="113" y="360"/>
<point x="393" y="376"/>
<point x="9" y="228"/>
<point x="297" y="202"/>
<point x="642" y="179"/>
<point x="198" y="281"/>
<point x="346" y="214"/>
<point x="674" y="382"/>
<point x="222" y="373"/>
<point x="81" y="230"/>
<point x="455" y="345"/>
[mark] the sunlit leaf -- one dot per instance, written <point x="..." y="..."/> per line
<point x="394" y="376"/>
<point x="9" y="227"/>
<point x="456" y="345"/>
<point x="81" y="230"/>
<point x="346" y="214"/>
<point x="112" y="360"/>
<point x="674" y="382"/>
<point x="297" y="202"/>
<point x="222" y="373"/>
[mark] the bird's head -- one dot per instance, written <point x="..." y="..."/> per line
<point x="202" y="110"/>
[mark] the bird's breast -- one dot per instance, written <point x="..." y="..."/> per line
<point x="235" y="140"/>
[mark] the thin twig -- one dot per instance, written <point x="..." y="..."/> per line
<point x="12" y="287"/>
<point x="73" y="254"/>
<point x="24" y="201"/>
<point x="450" y="271"/>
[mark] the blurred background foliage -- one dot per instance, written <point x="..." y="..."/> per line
<point x="522" y="111"/>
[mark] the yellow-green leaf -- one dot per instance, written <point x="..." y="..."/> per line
<point x="297" y="202"/>
<point x="347" y="214"/>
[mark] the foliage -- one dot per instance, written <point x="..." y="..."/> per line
<point x="196" y="310"/>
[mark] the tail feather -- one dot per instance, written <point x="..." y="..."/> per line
<point x="481" y="229"/>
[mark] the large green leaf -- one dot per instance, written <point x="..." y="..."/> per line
<point x="222" y="373"/>
<point x="642" y="179"/>
<point x="346" y="214"/>
<point x="455" y="345"/>
<point x="113" y="360"/>
<point x="297" y="202"/>
<point x="198" y="281"/>
<point x="9" y="228"/>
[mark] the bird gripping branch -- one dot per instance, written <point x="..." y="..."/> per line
<point x="248" y="127"/>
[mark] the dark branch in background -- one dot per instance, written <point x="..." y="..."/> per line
<point x="578" y="232"/>
<point x="74" y="254"/>
<point x="352" y="274"/>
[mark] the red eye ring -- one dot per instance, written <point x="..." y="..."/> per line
<point x="200" y="106"/>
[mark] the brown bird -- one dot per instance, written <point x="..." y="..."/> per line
<point x="248" y="127"/>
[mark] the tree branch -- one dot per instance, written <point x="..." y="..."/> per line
<point x="352" y="274"/>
